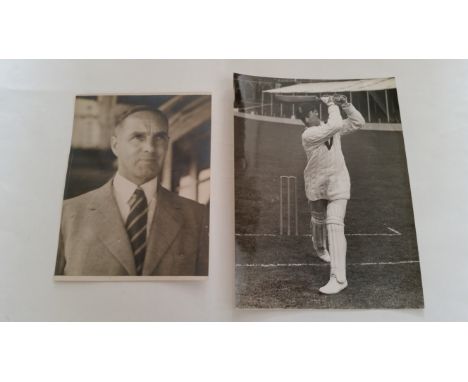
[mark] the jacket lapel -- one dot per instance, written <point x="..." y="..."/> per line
<point x="110" y="227"/>
<point x="166" y="225"/>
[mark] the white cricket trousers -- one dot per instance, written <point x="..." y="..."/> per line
<point x="327" y="223"/>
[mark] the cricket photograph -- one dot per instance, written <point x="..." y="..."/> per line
<point x="137" y="192"/>
<point x="323" y="208"/>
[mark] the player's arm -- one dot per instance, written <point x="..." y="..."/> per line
<point x="316" y="135"/>
<point x="355" y="120"/>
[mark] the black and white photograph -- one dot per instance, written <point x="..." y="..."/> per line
<point x="137" y="190"/>
<point x="323" y="208"/>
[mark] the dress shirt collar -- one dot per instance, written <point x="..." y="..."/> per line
<point x="124" y="188"/>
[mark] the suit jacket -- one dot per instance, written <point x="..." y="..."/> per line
<point x="93" y="240"/>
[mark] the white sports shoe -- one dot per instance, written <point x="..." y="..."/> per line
<point x="325" y="256"/>
<point x="333" y="286"/>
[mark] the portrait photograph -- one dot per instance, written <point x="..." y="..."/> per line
<point x="137" y="190"/>
<point x="323" y="209"/>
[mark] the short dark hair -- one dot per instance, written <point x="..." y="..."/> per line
<point x="303" y="111"/>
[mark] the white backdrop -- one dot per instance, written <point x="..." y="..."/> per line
<point x="36" y="115"/>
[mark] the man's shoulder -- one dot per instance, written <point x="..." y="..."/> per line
<point x="81" y="202"/>
<point x="181" y="202"/>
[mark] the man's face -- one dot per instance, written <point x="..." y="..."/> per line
<point x="312" y="118"/>
<point x="140" y="145"/>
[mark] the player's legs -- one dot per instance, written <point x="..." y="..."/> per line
<point x="318" y="212"/>
<point x="336" y="210"/>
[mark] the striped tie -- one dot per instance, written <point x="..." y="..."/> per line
<point x="136" y="227"/>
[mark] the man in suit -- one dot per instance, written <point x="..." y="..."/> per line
<point x="132" y="225"/>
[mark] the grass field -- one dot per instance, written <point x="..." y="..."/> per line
<point x="274" y="271"/>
